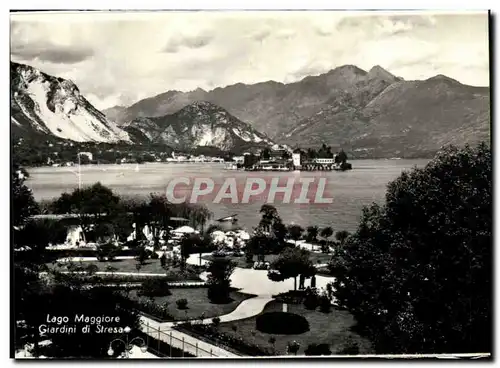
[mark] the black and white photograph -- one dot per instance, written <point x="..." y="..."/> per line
<point x="242" y="184"/>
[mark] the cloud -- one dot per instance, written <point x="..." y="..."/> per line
<point x="29" y="42"/>
<point x="186" y="41"/>
<point x="51" y="53"/>
<point x="119" y="57"/>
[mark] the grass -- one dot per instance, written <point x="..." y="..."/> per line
<point x="334" y="328"/>
<point x="152" y="266"/>
<point x="241" y="261"/>
<point x="198" y="303"/>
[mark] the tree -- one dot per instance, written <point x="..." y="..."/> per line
<point x="295" y="232"/>
<point x="158" y="218"/>
<point x="265" y="154"/>
<point x="219" y="278"/>
<point x="341" y="157"/>
<point x="188" y="244"/>
<point x="92" y="205"/>
<point x="312" y="233"/>
<point x="259" y="244"/>
<point x="292" y="262"/>
<point x="23" y="205"/>
<point x="269" y="216"/>
<point x="163" y="260"/>
<point x="341" y="236"/>
<point x="140" y="215"/>
<point x="326" y="232"/>
<point x="416" y="274"/>
<point x="141" y="257"/>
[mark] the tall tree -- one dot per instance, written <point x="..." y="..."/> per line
<point x="295" y="232"/>
<point x="417" y="272"/>
<point x="92" y="205"/>
<point x="219" y="278"/>
<point x="341" y="236"/>
<point x="269" y="215"/>
<point x="326" y="232"/>
<point x="159" y="218"/>
<point x="188" y="244"/>
<point x="23" y="205"/>
<point x="291" y="263"/>
<point x="312" y="233"/>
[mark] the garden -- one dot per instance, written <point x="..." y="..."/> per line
<point x="243" y="262"/>
<point x="185" y="303"/>
<point x="297" y="330"/>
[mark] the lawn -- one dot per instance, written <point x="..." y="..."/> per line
<point x="152" y="266"/>
<point x="334" y="329"/>
<point x="241" y="261"/>
<point x="198" y="303"/>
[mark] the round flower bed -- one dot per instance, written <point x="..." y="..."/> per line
<point x="281" y="323"/>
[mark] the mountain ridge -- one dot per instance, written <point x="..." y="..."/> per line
<point x="199" y="124"/>
<point x="48" y="105"/>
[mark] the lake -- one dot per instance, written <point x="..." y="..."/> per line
<point x="350" y="190"/>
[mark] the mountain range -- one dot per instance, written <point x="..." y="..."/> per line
<point x="370" y="114"/>
<point x="48" y="106"/>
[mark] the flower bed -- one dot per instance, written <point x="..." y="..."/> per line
<point x="210" y="334"/>
<point x="291" y="297"/>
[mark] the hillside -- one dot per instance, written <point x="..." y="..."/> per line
<point x="372" y="113"/>
<point x="408" y="118"/>
<point x="199" y="124"/>
<point x="45" y="105"/>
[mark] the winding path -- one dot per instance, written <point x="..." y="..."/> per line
<point x="248" y="281"/>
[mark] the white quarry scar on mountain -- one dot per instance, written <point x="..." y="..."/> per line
<point x="69" y="121"/>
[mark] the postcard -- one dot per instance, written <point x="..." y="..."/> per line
<point x="250" y="184"/>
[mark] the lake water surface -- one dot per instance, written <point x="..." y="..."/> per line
<point x="351" y="190"/>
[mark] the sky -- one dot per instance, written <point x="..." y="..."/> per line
<point x="119" y="58"/>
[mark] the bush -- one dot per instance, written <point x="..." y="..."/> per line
<point x="181" y="303"/>
<point x="155" y="287"/>
<point x="216" y="321"/>
<point x="291" y="297"/>
<point x="311" y="300"/>
<point x="282" y="323"/>
<point x="226" y="339"/>
<point x="318" y="349"/>
<point x="218" y="293"/>
<point x="432" y="236"/>
<point x="350" y="348"/>
<point x="293" y="347"/>
<point x="324" y="304"/>
<point x="249" y="257"/>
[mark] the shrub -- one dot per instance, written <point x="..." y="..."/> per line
<point x="318" y="349"/>
<point x="235" y="342"/>
<point x="350" y="348"/>
<point x="249" y="257"/>
<point x="311" y="300"/>
<point x="293" y="347"/>
<point x="181" y="303"/>
<point x="324" y="304"/>
<point x="291" y="297"/>
<point x="216" y="321"/>
<point x="142" y="255"/>
<point x="282" y="323"/>
<point x="155" y="287"/>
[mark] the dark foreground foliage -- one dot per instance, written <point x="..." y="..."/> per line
<point x="417" y="272"/>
